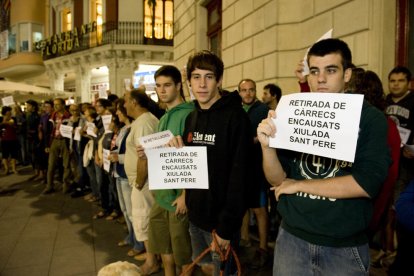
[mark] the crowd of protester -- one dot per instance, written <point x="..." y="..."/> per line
<point x="103" y="162"/>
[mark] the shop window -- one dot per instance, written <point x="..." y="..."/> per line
<point x="158" y="20"/>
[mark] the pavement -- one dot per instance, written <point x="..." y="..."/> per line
<point x="55" y="234"/>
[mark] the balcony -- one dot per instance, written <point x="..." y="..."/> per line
<point x="91" y="36"/>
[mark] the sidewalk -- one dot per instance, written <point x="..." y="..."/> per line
<point x="55" y="234"/>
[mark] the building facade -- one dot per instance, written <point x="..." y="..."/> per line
<point x="67" y="43"/>
<point x="265" y="39"/>
<point x="75" y="39"/>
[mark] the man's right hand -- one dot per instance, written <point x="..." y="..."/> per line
<point x="176" y="142"/>
<point x="266" y="129"/>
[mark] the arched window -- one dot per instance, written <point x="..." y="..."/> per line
<point x="158" y="20"/>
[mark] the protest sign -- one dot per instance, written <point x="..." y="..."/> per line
<point x="323" y="124"/>
<point x="66" y="131"/>
<point x="8" y="101"/>
<point x="106" y="121"/>
<point x="102" y="93"/>
<point x="90" y="129"/>
<point x="106" y="162"/>
<point x="172" y="168"/>
<point x="404" y="134"/>
<point x="77" y="135"/>
<point x="156" y="140"/>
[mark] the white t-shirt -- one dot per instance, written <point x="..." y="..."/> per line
<point x="144" y="125"/>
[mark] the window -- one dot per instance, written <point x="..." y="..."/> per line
<point x="158" y="19"/>
<point x="214" y="26"/>
<point x="37" y="33"/>
<point x="24" y="37"/>
<point x="99" y="20"/>
<point x="66" y="20"/>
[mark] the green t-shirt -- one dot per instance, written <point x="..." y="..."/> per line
<point x="174" y="120"/>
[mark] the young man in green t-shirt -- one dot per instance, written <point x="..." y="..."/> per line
<point x="168" y="226"/>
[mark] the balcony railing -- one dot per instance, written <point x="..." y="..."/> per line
<point x="108" y="33"/>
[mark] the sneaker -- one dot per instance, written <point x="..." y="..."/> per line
<point x="260" y="259"/>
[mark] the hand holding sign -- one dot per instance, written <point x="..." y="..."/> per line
<point x="324" y="124"/>
<point x="171" y="168"/>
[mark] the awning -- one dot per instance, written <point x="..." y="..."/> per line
<point x="9" y="86"/>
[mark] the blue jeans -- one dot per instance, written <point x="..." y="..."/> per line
<point x="124" y="196"/>
<point x="200" y="240"/>
<point x="294" y="256"/>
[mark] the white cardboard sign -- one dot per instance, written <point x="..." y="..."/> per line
<point x="8" y="101"/>
<point x="106" y="162"/>
<point x="156" y="140"/>
<point x="90" y="129"/>
<point x="323" y="124"/>
<point x="404" y="134"/>
<point x="102" y="93"/>
<point x="172" y="168"/>
<point x="66" y="131"/>
<point x="106" y="121"/>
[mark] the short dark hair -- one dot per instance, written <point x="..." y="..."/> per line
<point x="332" y="46"/>
<point x="5" y="109"/>
<point x="112" y="98"/>
<point x="104" y="102"/>
<point x="246" y="80"/>
<point x="34" y="104"/>
<point x="205" y="60"/>
<point x="401" y="69"/>
<point x="172" y="72"/>
<point x="50" y="102"/>
<point x="274" y="90"/>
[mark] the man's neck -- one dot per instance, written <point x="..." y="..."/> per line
<point x="174" y="103"/>
<point x="138" y="112"/>
<point x="397" y="99"/>
<point x="272" y="105"/>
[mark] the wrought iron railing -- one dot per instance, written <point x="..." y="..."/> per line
<point x="108" y="33"/>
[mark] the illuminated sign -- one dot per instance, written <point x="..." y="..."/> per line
<point x="63" y="43"/>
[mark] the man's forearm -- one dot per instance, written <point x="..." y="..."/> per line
<point x="335" y="187"/>
<point x="142" y="173"/>
<point x="271" y="166"/>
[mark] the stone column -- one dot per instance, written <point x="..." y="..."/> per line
<point x="56" y="80"/>
<point x="118" y="72"/>
<point x="83" y="85"/>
